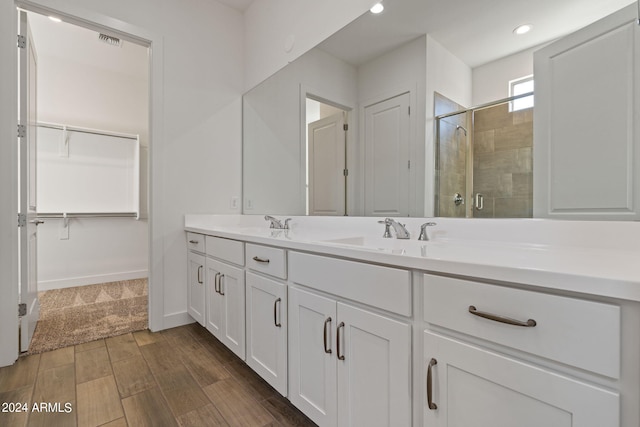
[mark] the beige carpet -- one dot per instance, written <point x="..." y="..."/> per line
<point x="86" y="313"/>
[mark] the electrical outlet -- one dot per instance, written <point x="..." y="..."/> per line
<point x="234" y="202"/>
<point x="248" y="204"/>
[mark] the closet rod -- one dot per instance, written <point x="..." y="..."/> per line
<point x="86" y="130"/>
<point x="89" y="215"/>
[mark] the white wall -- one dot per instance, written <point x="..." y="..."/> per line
<point x="73" y="90"/>
<point x="398" y="71"/>
<point x="491" y="81"/>
<point x="195" y="148"/>
<point x="449" y="76"/>
<point x="270" y="25"/>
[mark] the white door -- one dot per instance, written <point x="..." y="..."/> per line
<point x="473" y="386"/>
<point x="387" y="163"/>
<point x="28" y="231"/>
<point x="267" y="330"/>
<point x="196" y="299"/>
<point x="327" y="163"/>
<point x="312" y="361"/>
<point x="374" y="369"/>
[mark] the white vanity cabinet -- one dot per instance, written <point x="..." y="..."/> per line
<point x="225" y="292"/>
<point x="348" y="365"/>
<point x="266" y="314"/>
<point x="587" y="112"/>
<point x="504" y="356"/>
<point x="196" y="278"/>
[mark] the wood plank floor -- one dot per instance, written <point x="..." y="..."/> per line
<point x="178" y="377"/>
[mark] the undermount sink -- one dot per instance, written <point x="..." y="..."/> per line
<point x="396" y="246"/>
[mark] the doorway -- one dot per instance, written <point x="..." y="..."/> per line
<point x="326" y="148"/>
<point x="92" y="126"/>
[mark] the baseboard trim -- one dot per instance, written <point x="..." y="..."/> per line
<point x="176" y="319"/>
<point x="48" y="285"/>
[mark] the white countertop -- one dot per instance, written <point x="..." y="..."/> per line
<point x="597" y="258"/>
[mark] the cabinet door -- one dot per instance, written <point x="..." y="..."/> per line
<point x="232" y="291"/>
<point x="225" y="304"/>
<point x="196" y="290"/>
<point x="374" y="369"/>
<point x="473" y="386"/>
<point x="312" y="362"/>
<point x="267" y="330"/>
<point x="586" y="134"/>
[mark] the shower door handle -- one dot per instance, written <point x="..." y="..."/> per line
<point x="479" y="202"/>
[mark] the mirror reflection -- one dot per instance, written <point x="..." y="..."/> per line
<point x="363" y="124"/>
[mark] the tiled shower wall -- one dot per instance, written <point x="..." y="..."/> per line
<point x="502" y="162"/>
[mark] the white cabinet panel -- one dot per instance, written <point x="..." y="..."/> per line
<point x="196" y="289"/>
<point x="473" y="386"/>
<point x="267" y="330"/>
<point x="225" y="295"/>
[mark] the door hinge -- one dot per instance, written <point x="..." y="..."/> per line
<point x="345" y="127"/>
<point x="409" y="109"/>
<point x="22" y="220"/>
<point x="22" y="309"/>
<point x="408" y="164"/>
<point x="345" y="172"/>
<point x="22" y="131"/>
<point x="22" y="41"/>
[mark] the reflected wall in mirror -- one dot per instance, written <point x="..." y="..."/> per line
<point x="379" y="77"/>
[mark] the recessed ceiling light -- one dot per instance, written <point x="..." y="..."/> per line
<point x="377" y="8"/>
<point x="522" y="29"/>
<point x="54" y="19"/>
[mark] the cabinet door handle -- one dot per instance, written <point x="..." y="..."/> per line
<point x="195" y="242"/>
<point x="496" y="318"/>
<point x="276" y="320"/>
<point x="258" y="259"/>
<point x="216" y="283"/>
<point x="220" y="285"/>
<point x="324" y="335"/>
<point x="432" y="406"/>
<point x="200" y="274"/>
<point x="340" y="326"/>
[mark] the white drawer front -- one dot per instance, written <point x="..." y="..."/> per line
<point x="268" y="260"/>
<point x="580" y="333"/>
<point x="383" y="287"/>
<point x="195" y="242"/>
<point x="225" y="249"/>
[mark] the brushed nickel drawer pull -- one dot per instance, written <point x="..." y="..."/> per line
<point x="528" y="324"/>
<point x="432" y="406"/>
<point x="216" y="283"/>
<point x="340" y="326"/>
<point x="258" y="259"/>
<point x="195" y="242"/>
<point x="200" y="274"/>
<point x="324" y="336"/>
<point x="220" y="285"/>
<point x="275" y="313"/>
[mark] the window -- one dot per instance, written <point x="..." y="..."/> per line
<point x="518" y="87"/>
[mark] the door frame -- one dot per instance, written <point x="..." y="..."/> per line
<point x="9" y="264"/>
<point x="337" y="101"/>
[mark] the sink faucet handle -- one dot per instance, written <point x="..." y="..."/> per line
<point x="275" y="223"/>
<point x="423" y="230"/>
<point x="286" y="223"/>
<point x="387" y="225"/>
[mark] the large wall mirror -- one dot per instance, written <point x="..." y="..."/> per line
<point x="350" y="127"/>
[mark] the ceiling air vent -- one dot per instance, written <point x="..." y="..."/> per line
<point x="113" y="41"/>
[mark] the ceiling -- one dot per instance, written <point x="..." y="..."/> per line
<point x="476" y="31"/>
<point x="240" y="5"/>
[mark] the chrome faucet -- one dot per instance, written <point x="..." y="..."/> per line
<point x="276" y="223"/>
<point x="401" y="232"/>
<point x="423" y="230"/>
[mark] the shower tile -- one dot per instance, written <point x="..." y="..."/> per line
<point x="523" y="116"/>
<point x="483" y="142"/>
<point x="492" y="118"/>
<point x="513" y="208"/>
<point x="517" y="136"/>
<point x="523" y="184"/>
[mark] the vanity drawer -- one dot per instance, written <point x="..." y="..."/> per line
<point x="267" y="260"/>
<point x="580" y="333"/>
<point x="383" y="287"/>
<point x="195" y="242"/>
<point x="225" y="249"/>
